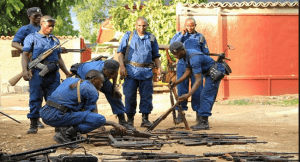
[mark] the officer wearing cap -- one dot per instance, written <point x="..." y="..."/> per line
<point x="191" y="39"/>
<point x="72" y="104"/>
<point x="38" y="43"/>
<point x="109" y="69"/>
<point x="34" y="14"/>
<point x="198" y="64"/>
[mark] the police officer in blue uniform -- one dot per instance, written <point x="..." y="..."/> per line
<point x="72" y="104"/>
<point x="136" y="67"/>
<point x="38" y="43"/>
<point x="34" y="14"/>
<point x="191" y="39"/>
<point x="109" y="68"/>
<point x="198" y="64"/>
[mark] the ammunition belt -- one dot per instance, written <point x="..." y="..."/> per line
<point x="147" y="65"/>
<point x="49" y="62"/>
<point x="57" y="106"/>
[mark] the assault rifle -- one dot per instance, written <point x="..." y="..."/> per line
<point x="10" y="117"/>
<point x="36" y="63"/>
<point x="33" y="153"/>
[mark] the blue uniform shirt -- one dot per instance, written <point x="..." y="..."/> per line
<point x="140" y="51"/>
<point x="68" y="97"/>
<point x="84" y="68"/>
<point x="191" y="41"/>
<point x="199" y="62"/>
<point x="38" y="44"/>
<point x="24" y="31"/>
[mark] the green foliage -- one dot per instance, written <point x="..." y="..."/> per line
<point x="241" y="102"/>
<point x="13" y="15"/>
<point x="161" y="19"/>
<point x="90" y="15"/>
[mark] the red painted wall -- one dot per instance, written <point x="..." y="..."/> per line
<point x="265" y="59"/>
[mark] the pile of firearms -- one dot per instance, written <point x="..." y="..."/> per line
<point x="175" y="157"/>
<point x="154" y="140"/>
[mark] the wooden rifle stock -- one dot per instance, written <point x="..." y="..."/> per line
<point x="14" y="80"/>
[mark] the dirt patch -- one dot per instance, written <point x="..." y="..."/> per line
<point x="278" y="125"/>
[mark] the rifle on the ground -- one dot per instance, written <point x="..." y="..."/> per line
<point x="180" y="111"/>
<point x="41" y="151"/>
<point x="10" y="117"/>
<point x="36" y="63"/>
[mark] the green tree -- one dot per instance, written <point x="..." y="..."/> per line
<point x="90" y="15"/>
<point x="161" y="19"/>
<point x="13" y="15"/>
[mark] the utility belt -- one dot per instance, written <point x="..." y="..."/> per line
<point x="57" y="106"/>
<point x="146" y="65"/>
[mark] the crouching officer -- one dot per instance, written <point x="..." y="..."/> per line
<point x="198" y="64"/>
<point x="72" y="104"/>
<point x="109" y="69"/>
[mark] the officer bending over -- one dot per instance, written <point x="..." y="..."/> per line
<point x="109" y="69"/>
<point x="198" y="64"/>
<point x="72" y="104"/>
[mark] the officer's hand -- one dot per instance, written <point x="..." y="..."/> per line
<point x="117" y="93"/>
<point x="27" y="75"/>
<point x="123" y="72"/>
<point x="182" y="98"/>
<point x="121" y="129"/>
<point x="68" y="75"/>
<point x="183" y="30"/>
<point x="158" y="74"/>
<point x="63" y="50"/>
<point x="172" y="84"/>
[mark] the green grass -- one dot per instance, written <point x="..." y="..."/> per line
<point x="242" y="102"/>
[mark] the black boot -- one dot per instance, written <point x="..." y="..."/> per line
<point x="179" y="118"/>
<point x="33" y="126"/>
<point x="202" y="124"/>
<point x="122" y="120"/>
<point x="59" y="129"/>
<point x="130" y="123"/>
<point x="197" y="117"/>
<point x="145" y="122"/>
<point x="66" y="136"/>
<point x="40" y="124"/>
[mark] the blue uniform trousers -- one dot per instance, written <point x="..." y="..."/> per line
<point x="183" y="88"/>
<point x="115" y="103"/>
<point x="209" y="94"/>
<point x="37" y="87"/>
<point x="145" y="87"/>
<point x="82" y="121"/>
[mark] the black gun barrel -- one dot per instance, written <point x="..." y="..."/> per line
<point x="48" y="148"/>
<point x="9" y="117"/>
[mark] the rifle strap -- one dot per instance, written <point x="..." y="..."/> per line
<point x="128" y="45"/>
<point x="78" y="91"/>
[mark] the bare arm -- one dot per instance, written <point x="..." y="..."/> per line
<point x="193" y="89"/>
<point x="121" y="129"/>
<point x="158" y="66"/>
<point x="185" y="75"/>
<point x="17" y="45"/>
<point x="63" y="66"/>
<point x="123" y="72"/>
<point x="25" y="58"/>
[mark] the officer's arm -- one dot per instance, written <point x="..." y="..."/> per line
<point x="25" y="57"/>
<point x="185" y="75"/>
<point x="63" y="66"/>
<point x="196" y="84"/>
<point x="17" y="45"/>
<point x="177" y="37"/>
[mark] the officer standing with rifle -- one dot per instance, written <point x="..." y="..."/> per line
<point x="38" y="43"/>
<point x="34" y="14"/>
